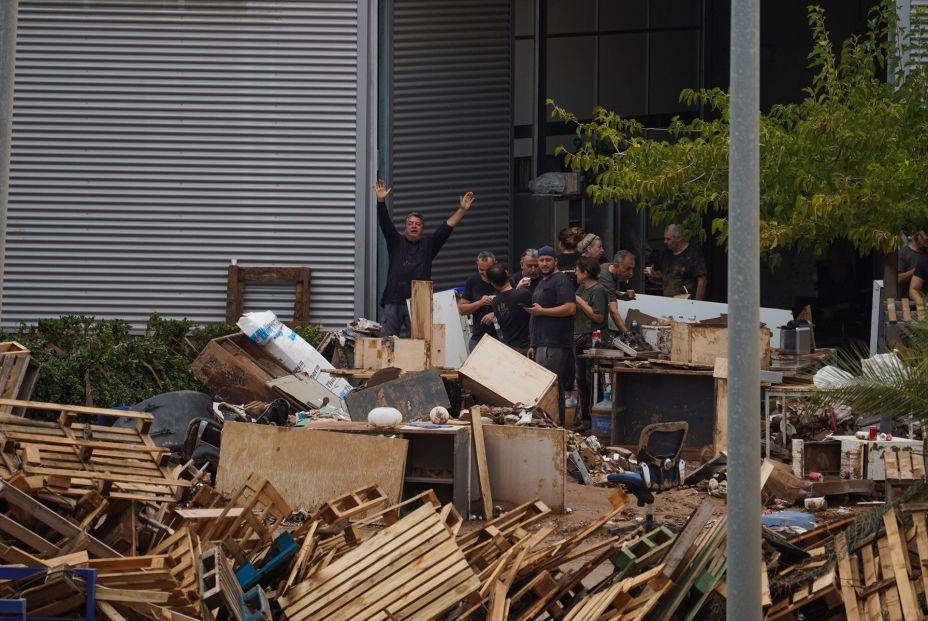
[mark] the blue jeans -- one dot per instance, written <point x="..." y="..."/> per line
<point x="395" y="320"/>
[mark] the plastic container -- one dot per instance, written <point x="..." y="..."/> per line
<point x="602" y="426"/>
<point x="601" y="421"/>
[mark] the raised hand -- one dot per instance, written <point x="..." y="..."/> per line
<point x="466" y="201"/>
<point x="381" y="190"/>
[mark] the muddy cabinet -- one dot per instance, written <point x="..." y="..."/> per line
<point x="440" y="459"/>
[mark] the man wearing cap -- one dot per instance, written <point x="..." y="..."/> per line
<point x="553" y="307"/>
<point x="411" y="255"/>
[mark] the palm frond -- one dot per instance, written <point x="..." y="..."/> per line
<point x="894" y="383"/>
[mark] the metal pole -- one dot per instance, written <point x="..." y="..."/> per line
<point x="744" y="502"/>
<point x="9" y="9"/>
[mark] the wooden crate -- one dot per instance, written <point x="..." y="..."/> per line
<point x="236" y="369"/>
<point x="498" y="375"/>
<point x="698" y="343"/>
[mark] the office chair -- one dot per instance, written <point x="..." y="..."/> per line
<point x="658" y="466"/>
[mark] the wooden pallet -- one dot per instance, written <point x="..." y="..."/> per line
<point x="72" y="458"/>
<point x="339" y="510"/>
<point x="642" y="552"/>
<point x="44" y="531"/>
<point x="625" y="599"/>
<point x="901" y="309"/>
<point x="263" y="510"/>
<point x="903" y="464"/>
<point x="411" y="569"/>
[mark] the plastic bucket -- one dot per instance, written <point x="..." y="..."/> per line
<point x="601" y="426"/>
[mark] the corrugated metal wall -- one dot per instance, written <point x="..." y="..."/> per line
<point x="451" y="91"/>
<point x="153" y="141"/>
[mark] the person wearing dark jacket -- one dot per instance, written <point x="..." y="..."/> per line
<point x="411" y="254"/>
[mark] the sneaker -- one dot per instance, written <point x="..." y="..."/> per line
<point x="570" y="402"/>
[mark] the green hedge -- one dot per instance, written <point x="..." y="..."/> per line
<point x="97" y="361"/>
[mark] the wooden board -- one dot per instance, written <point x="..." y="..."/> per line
<point x="405" y="354"/>
<point x="437" y="346"/>
<point x="420" y="316"/>
<point x="498" y="375"/>
<point x="527" y="463"/>
<point x="483" y="473"/>
<point x="310" y="467"/>
<point x="702" y="344"/>
<point x="720" y="433"/>
<point x="414" y="395"/>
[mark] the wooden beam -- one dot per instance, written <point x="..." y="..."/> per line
<point x="846" y="579"/>
<point x="910" y="608"/>
<point x="483" y="472"/>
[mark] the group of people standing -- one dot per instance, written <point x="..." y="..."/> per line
<point x="551" y="308"/>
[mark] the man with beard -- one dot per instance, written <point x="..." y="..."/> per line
<point x="552" y="310"/>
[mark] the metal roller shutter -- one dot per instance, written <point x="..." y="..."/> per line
<point x="452" y="122"/>
<point x="154" y="141"/>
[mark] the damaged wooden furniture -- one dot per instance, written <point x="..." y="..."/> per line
<point x="239" y="276"/>
<point x="499" y="375"/>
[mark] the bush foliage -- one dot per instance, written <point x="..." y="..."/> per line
<point x="100" y="362"/>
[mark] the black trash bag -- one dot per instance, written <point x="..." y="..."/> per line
<point x="173" y="411"/>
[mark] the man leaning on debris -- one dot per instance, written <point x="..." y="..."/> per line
<point x="552" y="311"/>
<point x="411" y="256"/>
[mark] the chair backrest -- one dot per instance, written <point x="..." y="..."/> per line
<point x="663" y="440"/>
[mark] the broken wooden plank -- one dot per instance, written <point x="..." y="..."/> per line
<point x="907" y="598"/>
<point x="483" y="472"/>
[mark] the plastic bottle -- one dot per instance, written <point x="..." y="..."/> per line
<point x="499" y="329"/>
<point x="597" y="337"/>
<point x="634" y="326"/>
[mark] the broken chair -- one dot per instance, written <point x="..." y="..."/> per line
<point x="658" y="466"/>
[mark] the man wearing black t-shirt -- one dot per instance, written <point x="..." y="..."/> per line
<point x="552" y="330"/>
<point x="912" y="256"/>
<point x="411" y="256"/>
<point x="509" y="308"/>
<point x="614" y="278"/>
<point x="681" y="267"/>
<point x="477" y="298"/>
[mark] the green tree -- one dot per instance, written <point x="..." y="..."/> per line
<point x="848" y="161"/>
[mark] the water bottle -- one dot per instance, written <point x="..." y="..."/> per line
<point x="597" y="337"/>
<point x="634" y="326"/>
<point x="499" y="329"/>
